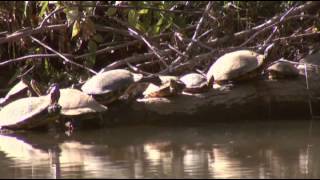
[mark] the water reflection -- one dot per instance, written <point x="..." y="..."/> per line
<point x="260" y="150"/>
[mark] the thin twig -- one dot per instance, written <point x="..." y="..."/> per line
<point x="135" y="33"/>
<point x="134" y="59"/>
<point x="62" y="56"/>
<point x="25" y="73"/>
<point x="32" y="56"/>
<point x="177" y="51"/>
<point x="154" y="49"/>
<point x="190" y="45"/>
<point x="282" y="18"/>
<point x="296" y="36"/>
<point x="58" y="9"/>
<point x="24" y="33"/>
<point x="267" y="25"/>
<point x="135" y="69"/>
<point x="132" y="43"/>
<point x="147" y="7"/>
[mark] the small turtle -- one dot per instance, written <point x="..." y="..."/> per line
<point x="195" y="83"/>
<point x="282" y="70"/>
<point x="20" y="90"/>
<point x="108" y="86"/>
<point x="171" y="86"/>
<point x="235" y="66"/>
<point x="31" y="112"/>
<point x="311" y="63"/>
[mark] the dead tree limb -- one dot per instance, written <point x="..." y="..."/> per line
<point x="62" y="56"/>
<point x="32" y="56"/>
<point x="24" y="33"/>
<point x="267" y="25"/>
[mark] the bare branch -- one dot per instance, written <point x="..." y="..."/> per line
<point x="267" y="25"/>
<point x="33" y="56"/>
<point x="135" y="33"/>
<point x="147" y="7"/>
<point x="62" y="56"/>
<point x="44" y="21"/>
<point x="134" y="59"/>
<point x="24" y="33"/>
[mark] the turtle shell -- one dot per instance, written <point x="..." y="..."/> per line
<point x="311" y="59"/>
<point x="284" y="69"/>
<point x="108" y="86"/>
<point x="17" y="91"/>
<point x="234" y="65"/>
<point x="74" y="102"/>
<point x="109" y="81"/>
<point x="194" y="82"/>
<point x="27" y="113"/>
<point x="169" y="88"/>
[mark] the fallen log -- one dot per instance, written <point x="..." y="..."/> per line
<point x="255" y="100"/>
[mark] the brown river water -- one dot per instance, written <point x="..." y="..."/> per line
<point x="272" y="149"/>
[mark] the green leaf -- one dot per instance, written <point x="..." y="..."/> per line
<point x="132" y="18"/>
<point x="143" y="11"/>
<point x="140" y="27"/>
<point x="75" y="29"/>
<point x="111" y="11"/>
<point x="72" y="15"/>
<point x="44" y="7"/>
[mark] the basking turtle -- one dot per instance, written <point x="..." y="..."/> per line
<point x="108" y="86"/>
<point x="171" y="86"/>
<point x="311" y="63"/>
<point x="31" y="112"/>
<point x="282" y="70"/>
<point x="75" y="103"/>
<point x="235" y="66"/>
<point x="195" y="83"/>
<point x="20" y="90"/>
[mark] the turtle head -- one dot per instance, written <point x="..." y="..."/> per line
<point x="176" y="86"/>
<point x="54" y="93"/>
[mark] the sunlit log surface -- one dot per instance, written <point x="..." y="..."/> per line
<point x="260" y="100"/>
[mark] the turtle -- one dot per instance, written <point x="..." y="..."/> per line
<point x="195" y="83"/>
<point x="171" y="85"/>
<point x="235" y="66"/>
<point x="31" y="112"/>
<point x="282" y="70"/>
<point x="75" y="103"/>
<point x="20" y="90"/>
<point x="309" y="64"/>
<point x="106" y="87"/>
<point x="76" y="106"/>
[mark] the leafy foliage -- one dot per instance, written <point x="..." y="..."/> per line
<point x="149" y="18"/>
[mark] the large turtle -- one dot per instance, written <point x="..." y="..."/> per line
<point x="108" y="86"/>
<point x="31" y="112"/>
<point x="22" y="89"/>
<point x="195" y="83"/>
<point x="171" y="85"/>
<point x="282" y="70"/>
<point x="77" y="105"/>
<point x="235" y="66"/>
